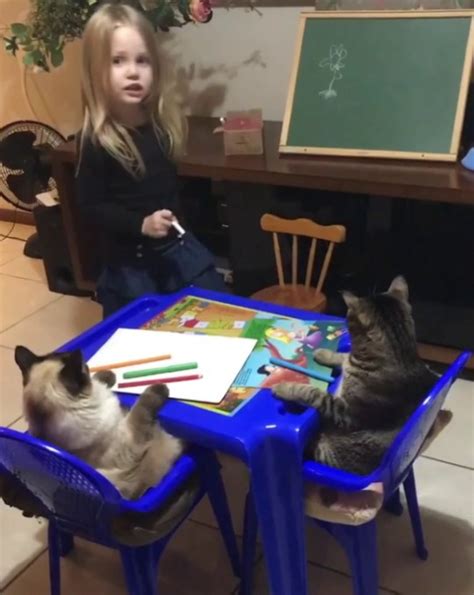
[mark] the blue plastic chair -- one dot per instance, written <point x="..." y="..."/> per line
<point x="360" y="542"/>
<point x="78" y="501"/>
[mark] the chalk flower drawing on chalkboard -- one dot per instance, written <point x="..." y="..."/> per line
<point x="335" y="62"/>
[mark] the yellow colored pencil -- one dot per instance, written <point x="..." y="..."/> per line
<point x="135" y="362"/>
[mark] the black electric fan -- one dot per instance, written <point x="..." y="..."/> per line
<point x="25" y="167"/>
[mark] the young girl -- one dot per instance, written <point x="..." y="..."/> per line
<point x="127" y="181"/>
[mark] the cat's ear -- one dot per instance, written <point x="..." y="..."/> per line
<point x="399" y="288"/>
<point x="75" y="374"/>
<point x="356" y="308"/>
<point x="25" y="359"/>
<point x="350" y="299"/>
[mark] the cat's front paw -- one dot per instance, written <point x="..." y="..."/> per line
<point x="326" y="357"/>
<point x="322" y="355"/>
<point x="154" y="396"/>
<point x="284" y="390"/>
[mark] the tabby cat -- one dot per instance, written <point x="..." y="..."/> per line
<point x="383" y="381"/>
<point x="64" y="405"/>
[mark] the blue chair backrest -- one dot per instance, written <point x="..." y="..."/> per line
<point x="404" y="449"/>
<point x="75" y="494"/>
<point x="408" y="443"/>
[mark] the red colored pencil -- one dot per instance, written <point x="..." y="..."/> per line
<point x="159" y="381"/>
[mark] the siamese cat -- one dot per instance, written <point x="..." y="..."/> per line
<point x="65" y="405"/>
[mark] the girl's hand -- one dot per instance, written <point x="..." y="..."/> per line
<point x="157" y="225"/>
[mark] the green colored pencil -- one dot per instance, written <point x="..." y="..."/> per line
<point x="164" y="370"/>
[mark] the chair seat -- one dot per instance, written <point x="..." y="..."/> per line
<point x="360" y="506"/>
<point x="295" y="296"/>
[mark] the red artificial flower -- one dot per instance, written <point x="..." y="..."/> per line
<point x="200" y="10"/>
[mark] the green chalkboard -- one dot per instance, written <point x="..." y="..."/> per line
<point x="379" y="84"/>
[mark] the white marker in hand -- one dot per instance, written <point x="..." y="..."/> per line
<point x="178" y="228"/>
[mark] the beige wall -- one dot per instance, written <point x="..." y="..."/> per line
<point x="239" y="60"/>
<point x="242" y="60"/>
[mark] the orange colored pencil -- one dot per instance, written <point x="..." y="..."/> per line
<point x="134" y="362"/>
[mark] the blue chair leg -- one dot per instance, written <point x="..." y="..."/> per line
<point x="218" y="498"/>
<point x="54" y="550"/>
<point x="360" y="544"/>
<point x="66" y="543"/>
<point x="412" y="502"/>
<point x="393" y="505"/>
<point x="249" y="546"/>
<point x="140" y="566"/>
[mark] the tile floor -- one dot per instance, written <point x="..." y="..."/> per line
<point x="195" y="563"/>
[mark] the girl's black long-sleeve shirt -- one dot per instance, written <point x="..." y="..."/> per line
<point x="117" y="202"/>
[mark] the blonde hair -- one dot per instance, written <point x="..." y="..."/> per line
<point x="161" y="106"/>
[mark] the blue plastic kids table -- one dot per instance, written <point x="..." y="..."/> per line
<point x="265" y="434"/>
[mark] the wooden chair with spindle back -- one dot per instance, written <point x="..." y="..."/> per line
<point x="297" y="295"/>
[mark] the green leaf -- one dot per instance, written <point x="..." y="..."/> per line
<point x="164" y="14"/>
<point x="29" y="59"/>
<point x="38" y="56"/>
<point x="19" y="29"/>
<point x="161" y="15"/>
<point x="34" y="58"/>
<point x="57" y="57"/>
<point x="167" y="17"/>
<point x="183" y="7"/>
<point x="177" y="23"/>
<point x="53" y="43"/>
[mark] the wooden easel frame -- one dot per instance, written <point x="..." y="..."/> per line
<point x="462" y="97"/>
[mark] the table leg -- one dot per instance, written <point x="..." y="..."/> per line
<point x="277" y="484"/>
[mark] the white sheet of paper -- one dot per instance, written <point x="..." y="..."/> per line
<point x="219" y="360"/>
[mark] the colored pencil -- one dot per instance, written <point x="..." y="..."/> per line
<point x="313" y="373"/>
<point x="133" y="362"/>
<point x="164" y="370"/>
<point x="160" y="381"/>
